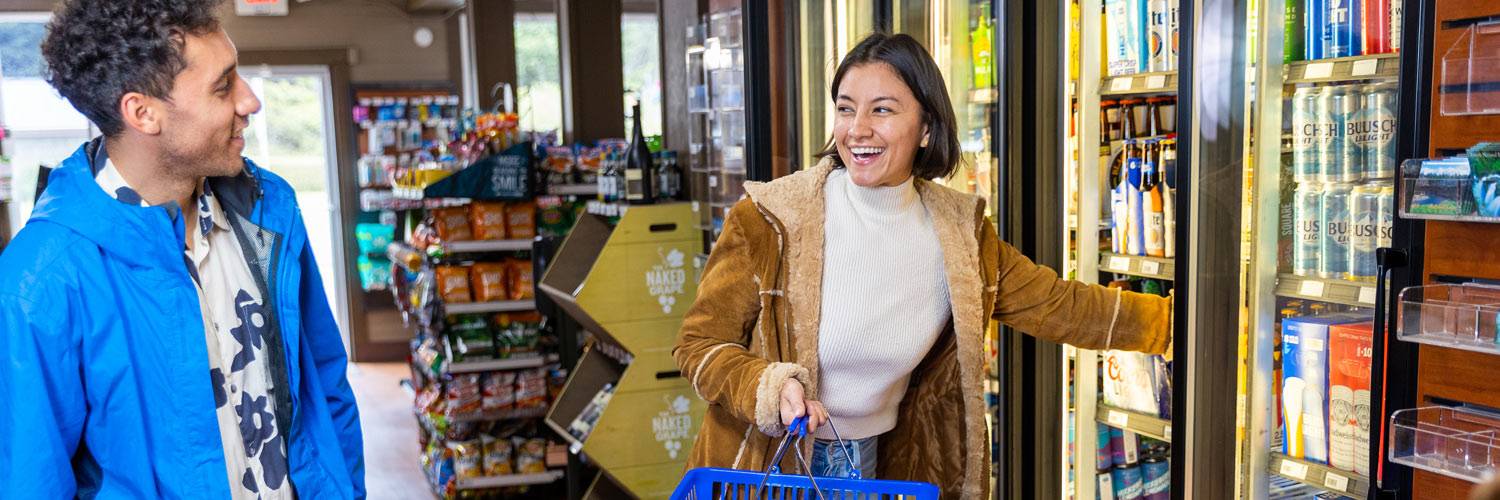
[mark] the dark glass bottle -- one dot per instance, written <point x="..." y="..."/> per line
<point x="639" y="174"/>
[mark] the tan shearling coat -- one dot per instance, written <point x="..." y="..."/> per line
<point x="755" y="324"/>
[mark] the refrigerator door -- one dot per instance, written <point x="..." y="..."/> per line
<point x="826" y="31"/>
<point x="1320" y="174"/>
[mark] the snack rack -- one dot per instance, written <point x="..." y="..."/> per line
<point x="484" y="360"/>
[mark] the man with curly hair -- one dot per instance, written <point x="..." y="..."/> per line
<point x="163" y="329"/>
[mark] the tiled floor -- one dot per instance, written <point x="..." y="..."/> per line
<point x="391" y="466"/>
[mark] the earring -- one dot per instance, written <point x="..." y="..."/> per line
<point x="924" y="142"/>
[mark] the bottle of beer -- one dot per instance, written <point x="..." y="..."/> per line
<point x="668" y="177"/>
<point x="639" y="174"/>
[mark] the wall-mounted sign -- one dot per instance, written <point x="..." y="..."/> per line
<point x="260" y="7"/>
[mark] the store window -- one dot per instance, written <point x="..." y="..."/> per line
<point x="640" y="57"/>
<point x="44" y="128"/>
<point x="539" y="96"/>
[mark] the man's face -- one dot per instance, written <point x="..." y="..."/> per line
<point x="209" y="108"/>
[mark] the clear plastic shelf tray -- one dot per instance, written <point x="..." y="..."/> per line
<point x="1471" y="72"/>
<point x="1461" y="443"/>
<point x="1457" y="316"/>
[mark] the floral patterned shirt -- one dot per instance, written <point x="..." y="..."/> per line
<point x="234" y="323"/>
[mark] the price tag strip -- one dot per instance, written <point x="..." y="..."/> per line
<point x="1294" y="470"/>
<point x="1120" y="264"/>
<point x="1367" y="296"/>
<point x="1156" y="81"/>
<point x="1311" y="289"/>
<point x="1318" y="70"/>
<point x="1365" y="67"/>
<point x="1336" y="482"/>
<point x="1121" y="84"/>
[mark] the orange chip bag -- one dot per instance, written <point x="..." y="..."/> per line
<point x="488" y="281"/>
<point x="487" y="219"/>
<point x="521" y="285"/>
<point x="520" y="220"/>
<point x="452" y="224"/>
<point x="453" y="284"/>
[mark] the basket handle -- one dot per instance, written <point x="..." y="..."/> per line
<point x="797" y="430"/>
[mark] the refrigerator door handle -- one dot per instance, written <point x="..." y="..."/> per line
<point x="1387" y="259"/>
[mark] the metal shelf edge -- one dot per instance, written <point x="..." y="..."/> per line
<point x="510" y="480"/>
<point x="1317" y="476"/>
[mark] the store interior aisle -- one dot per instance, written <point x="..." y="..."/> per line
<point x="391" y="468"/>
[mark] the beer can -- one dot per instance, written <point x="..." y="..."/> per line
<point x="1377" y="137"/>
<point x="1306" y="135"/>
<point x="1350" y="156"/>
<point x="1307" y="214"/>
<point x="1376" y="22"/>
<point x="1363" y="232"/>
<point x="1342" y="37"/>
<point x="1173" y="47"/>
<point x="1157" y="478"/>
<point x="1103" y="452"/>
<point x="1315" y="18"/>
<point x="1335" y="109"/>
<point x="1128" y="482"/>
<point x="1159" y="35"/>
<point x="1117" y="447"/>
<point x="1387" y="217"/>
<point x="1333" y="246"/>
<point x="1395" y="26"/>
<point x="1295" y="27"/>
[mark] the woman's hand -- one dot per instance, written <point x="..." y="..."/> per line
<point x="794" y="403"/>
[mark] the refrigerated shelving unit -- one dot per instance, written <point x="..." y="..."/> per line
<point x="1270" y="286"/>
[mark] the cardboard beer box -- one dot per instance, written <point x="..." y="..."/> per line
<point x="1304" y="391"/>
<point x="1349" y="359"/>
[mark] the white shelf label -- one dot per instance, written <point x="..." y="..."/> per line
<point x="1367" y="295"/>
<point x="1150" y="267"/>
<point x="1294" y="470"/>
<point x="1156" y="81"/>
<point x="1318" y="70"/>
<point x="1334" y="481"/>
<point x="1166" y="431"/>
<point x="1365" y="67"/>
<point x="1121" y="264"/>
<point x="1311" y="288"/>
<point x="1121" y="84"/>
<point x="1118" y="418"/>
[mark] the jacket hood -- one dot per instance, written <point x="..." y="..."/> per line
<point x="141" y="236"/>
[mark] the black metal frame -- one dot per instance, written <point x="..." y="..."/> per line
<point x="757" y="45"/>
<point x="1394" y="362"/>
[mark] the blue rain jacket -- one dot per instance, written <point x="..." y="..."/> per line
<point x="104" y="379"/>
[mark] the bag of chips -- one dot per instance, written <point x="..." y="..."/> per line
<point x="554" y="216"/>
<point x="531" y="388"/>
<point x="452" y="224"/>
<point x="520" y="220"/>
<point x="464" y="394"/>
<point x="521" y="284"/>
<point x="497" y="456"/>
<point x="531" y="455"/>
<point x="468" y="459"/>
<point x="453" y="284"/>
<point x="487" y="220"/>
<point x="470" y="339"/>
<point x="487" y="279"/>
<point x="499" y="391"/>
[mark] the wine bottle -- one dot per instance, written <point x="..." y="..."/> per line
<point x="639" y="174"/>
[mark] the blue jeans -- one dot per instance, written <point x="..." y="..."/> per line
<point x="829" y="459"/>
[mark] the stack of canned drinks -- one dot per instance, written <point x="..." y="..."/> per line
<point x="1344" y="160"/>
<point x="1131" y="467"/>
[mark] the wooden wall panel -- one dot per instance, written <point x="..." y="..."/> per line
<point x="1457" y="249"/>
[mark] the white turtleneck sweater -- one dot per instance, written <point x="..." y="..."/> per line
<point x="885" y="301"/>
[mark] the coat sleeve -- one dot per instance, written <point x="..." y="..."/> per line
<point x="712" y="347"/>
<point x="43" y="410"/>
<point x="326" y="346"/>
<point x="1034" y="299"/>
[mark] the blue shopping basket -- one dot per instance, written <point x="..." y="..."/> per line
<point x="712" y="483"/>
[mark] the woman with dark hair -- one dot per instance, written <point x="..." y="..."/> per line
<point x="857" y="293"/>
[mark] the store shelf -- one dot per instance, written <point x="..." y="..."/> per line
<point x="1320" y="476"/>
<point x="1148" y="267"/>
<point x="1350" y="293"/>
<point x="1164" y="82"/>
<point x="1139" y="423"/>
<point x="487" y="246"/>
<point x="573" y="189"/>
<point x="507" y="480"/>
<point x="1479" y="219"/>
<point x="492" y="416"/>
<point x="1456" y="442"/>
<point x="1344" y="69"/>
<point x="490" y="307"/>
<point x="519" y="363"/>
